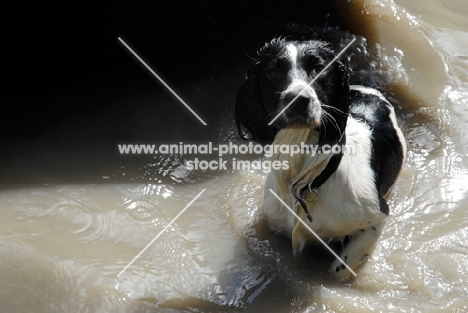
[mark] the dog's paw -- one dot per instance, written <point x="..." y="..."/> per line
<point x="342" y="272"/>
<point x="339" y="269"/>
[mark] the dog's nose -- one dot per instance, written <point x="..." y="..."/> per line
<point x="299" y="104"/>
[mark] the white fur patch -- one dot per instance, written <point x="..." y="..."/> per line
<point x="347" y="201"/>
<point x="368" y="90"/>
<point x="375" y="92"/>
<point x="292" y="55"/>
<point x="401" y="137"/>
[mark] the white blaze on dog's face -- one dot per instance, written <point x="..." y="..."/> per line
<point x="299" y="97"/>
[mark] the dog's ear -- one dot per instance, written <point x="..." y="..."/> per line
<point x="343" y="87"/>
<point x="343" y="93"/>
<point x="250" y="112"/>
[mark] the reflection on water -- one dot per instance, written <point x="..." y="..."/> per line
<point x="61" y="247"/>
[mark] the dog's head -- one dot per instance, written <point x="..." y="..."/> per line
<point x="293" y="84"/>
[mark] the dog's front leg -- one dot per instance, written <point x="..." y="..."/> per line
<point x="356" y="251"/>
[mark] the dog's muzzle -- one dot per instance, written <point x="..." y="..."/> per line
<point x="303" y="104"/>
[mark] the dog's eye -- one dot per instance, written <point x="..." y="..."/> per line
<point x="311" y="63"/>
<point x="273" y="73"/>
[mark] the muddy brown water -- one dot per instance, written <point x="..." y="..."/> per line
<point x="62" y="245"/>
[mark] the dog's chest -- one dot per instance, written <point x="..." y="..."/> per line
<point x="336" y="215"/>
<point x="346" y="202"/>
<point x="349" y="200"/>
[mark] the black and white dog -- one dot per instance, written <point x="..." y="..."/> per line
<point x="340" y="195"/>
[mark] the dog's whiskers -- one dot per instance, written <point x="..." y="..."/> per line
<point x="333" y="108"/>
<point x="326" y="116"/>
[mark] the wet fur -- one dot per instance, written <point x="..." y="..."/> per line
<point x="350" y="205"/>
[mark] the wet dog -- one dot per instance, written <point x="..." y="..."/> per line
<point x="340" y="194"/>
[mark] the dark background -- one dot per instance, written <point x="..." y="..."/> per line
<point x="70" y="86"/>
<point x="65" y="44"/>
